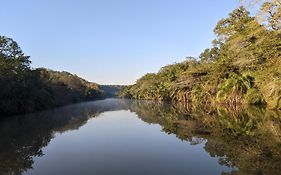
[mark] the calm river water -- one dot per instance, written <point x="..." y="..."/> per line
<point x="120" y="137"/>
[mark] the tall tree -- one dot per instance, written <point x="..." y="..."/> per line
<point x="269" y="14"/>
<point x="12" y="59"/>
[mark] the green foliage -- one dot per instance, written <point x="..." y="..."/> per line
<point x="158" y="86"/>
<point x="272" y="14"/>
<point x="232" y="89"/>
<point x="253" y="96"/>
<point x="210" y="55"/>
<point x="243" y="67"/>
<point x="235" y="23"/>
<point x="23" y="89"/>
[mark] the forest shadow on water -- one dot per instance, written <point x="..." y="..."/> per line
<point x="136" y="137"/>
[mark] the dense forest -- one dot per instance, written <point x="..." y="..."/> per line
<point x="23" y="89"/>
<point x="242" y="67"/>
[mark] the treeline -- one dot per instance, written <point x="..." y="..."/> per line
<point x="23" y="89"/>
<point x="242" y="67"/>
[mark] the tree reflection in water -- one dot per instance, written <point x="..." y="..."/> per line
<point x="23" y="137"/>
<point x="246" y="139"/>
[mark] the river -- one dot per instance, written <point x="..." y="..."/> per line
<point x="120" y="137"/>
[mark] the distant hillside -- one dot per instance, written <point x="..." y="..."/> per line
<point x="111" y="90"/>
<point x="24" y="89"/>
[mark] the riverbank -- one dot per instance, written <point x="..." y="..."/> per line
<point x="24" y="89"/>
<point x="242" y="68"/>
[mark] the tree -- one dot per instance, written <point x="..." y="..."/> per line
<point x="210" y="55"/>
<point x="23" y="89"/>
<point x="12" y="59"/>
<point x="234" y="23"/>
<point x="243" y="47"/>
<point x="269" y="14"/>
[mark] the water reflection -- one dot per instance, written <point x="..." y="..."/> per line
<point x="23" y="137"/>
<point x="246" y="140"/>
<point x="249" y="140"/>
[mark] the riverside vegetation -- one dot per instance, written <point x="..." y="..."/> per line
<point x="23" y="89"/>
<point x="211" y="104"/>
<point x="242" y="67"/>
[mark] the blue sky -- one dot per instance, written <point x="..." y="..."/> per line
<point x="111" y="41"/>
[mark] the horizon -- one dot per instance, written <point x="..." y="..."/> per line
<point x="109" y="42"/>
